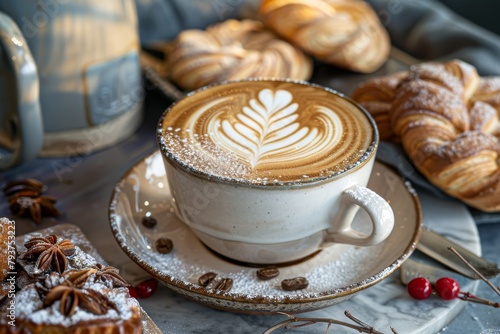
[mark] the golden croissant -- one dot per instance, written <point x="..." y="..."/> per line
<point x="346" y="33"/>
<point x="447" y="119"/>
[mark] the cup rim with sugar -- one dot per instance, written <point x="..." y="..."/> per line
<point x="178" y="163"/>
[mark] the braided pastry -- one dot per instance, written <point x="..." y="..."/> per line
<point x="447" y="119"/>
<point x="346" y="33"/>
<point x="233" y="50"/>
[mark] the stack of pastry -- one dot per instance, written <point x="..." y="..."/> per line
<point x="346" y="33"/>
<point x="64" y="290"/>
<point x="447" y="119"/>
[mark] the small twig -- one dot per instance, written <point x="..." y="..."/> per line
<point x="467" y="296"/>
<point x="289" y="323"/>
<point x="356" y="320"/>
<point x="362" y="327"/>
<point x="487" y="281"/>
<point x="302" y="325"/>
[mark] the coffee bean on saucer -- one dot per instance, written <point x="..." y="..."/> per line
<point x="164" y="245"/>
<point x="211" y="280"/>
<point x="149" y="222"/>
<point x="296" y="283"/>
<point x="267" y="273"/>
<point x="206" y="278"/>
<point x="223" y="284"/>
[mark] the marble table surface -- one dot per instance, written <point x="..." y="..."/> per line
<point x="83" y="186"/>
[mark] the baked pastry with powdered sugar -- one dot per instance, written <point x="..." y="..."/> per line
<point x="60" y="304"/>
<point x="233" y="50"/>
<point x="66" y="290"/>
<point x="447" y="119"/>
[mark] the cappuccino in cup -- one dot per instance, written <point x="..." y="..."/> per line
<point x="270" y="171"/>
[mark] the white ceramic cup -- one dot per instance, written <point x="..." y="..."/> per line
<point x="264" y="221"/>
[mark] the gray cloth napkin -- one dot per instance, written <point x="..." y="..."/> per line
<point x="430" y="31"/>
<point x="425" y="29"/>
<point x="162" y="20"/>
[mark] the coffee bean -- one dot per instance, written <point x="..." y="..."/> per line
<point x="164" y="245"/>
<point x="223" y="284"/>
<point x="296" y="283"/>
<point x="267" y="273"/>
<point x="226" y="285"/>
<point x="211" y="280"/>
<point x="149" y="222"/>
<point x="205" y="279"/>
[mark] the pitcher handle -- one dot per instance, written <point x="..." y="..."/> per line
<point x="22" y="118"/>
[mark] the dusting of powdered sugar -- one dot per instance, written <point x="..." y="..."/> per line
<point x="85" y="254"/>
<point x="218" y="162"/>
<point x="33" y="310"/>
<point x="78" y="260"/>
<point x="203" y="157"/>
<point x="328" y="272"/>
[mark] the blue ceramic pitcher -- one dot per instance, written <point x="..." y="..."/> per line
<point x="70" y="78"/>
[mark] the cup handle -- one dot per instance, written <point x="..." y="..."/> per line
<point x="22" y="118"/>
<point x="380" y="212"/>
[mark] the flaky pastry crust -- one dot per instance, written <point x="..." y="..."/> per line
<point x="345" y="33"/>
<point x="233" y="50"/>
<point x="6" y="229"/>
<point x="447" y="119"/>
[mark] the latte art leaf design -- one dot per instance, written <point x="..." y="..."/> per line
<point x="266" y="132"/>
<point x="264" y="129"/>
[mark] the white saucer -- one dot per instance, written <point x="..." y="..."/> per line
<point x="334" y="274"/>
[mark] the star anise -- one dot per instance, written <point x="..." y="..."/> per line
<point x="49" y="282"/>
<point x="106" y="274"/>
<point x="25" y="198"/>
<point x="110" y="274"/>
<point x="49" y="252"/>
<point x="28" y="187"/>
<point x="78" y="277"/>
<point x="72" y="297"/>
<point x="35" y="207"/>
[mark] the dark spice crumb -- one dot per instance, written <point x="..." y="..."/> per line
<point x="149" y="222"/>
<point x="164" y="245"/>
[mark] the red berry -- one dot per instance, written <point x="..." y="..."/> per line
<point x="133" y="292"/>
<point x="419" y="288"/>
<point x="447" y="288"/>
<point x="145" y="289"/>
